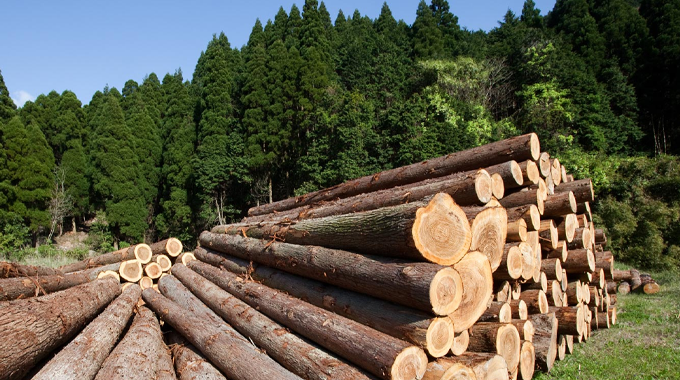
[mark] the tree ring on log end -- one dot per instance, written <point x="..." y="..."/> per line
<point x="475" y="271"/>
<point x="459" y="371"/>
<point x="508" y="345"/>
<point x="497" y="186"/>
<point x="496" y="369"/>
<point x="174" y="247"/>
<point x="527" y="360"/>
<point x="516" y="171"/>
<point x="441" y="231"/>
<point x="460" y="344"/>
<point x="439" y="337"/>
<point x="411" y="363"/>
<point x="483" y="186"/>
<point x="143" y="253"/>
<point x="535" y="145"/>
<point x="489" y="229"/>
<point x="446" y="291"/>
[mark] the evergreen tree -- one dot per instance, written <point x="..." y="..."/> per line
<point x="428" y="39"/>
<point x="7" y="106"/>
<point x="531" y="16"/>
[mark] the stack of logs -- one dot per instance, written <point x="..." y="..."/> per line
<point x="626" y="281"/>
<point x="482" y="264"/>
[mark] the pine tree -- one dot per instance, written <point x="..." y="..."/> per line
<point x="7" y="106"/>
<point x="428" y="39"/>
<point x="531" y="16"/>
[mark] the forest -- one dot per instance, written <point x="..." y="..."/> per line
<point x="311" y="101"/>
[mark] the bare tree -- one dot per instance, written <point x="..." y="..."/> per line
<point x="61" y="203"/>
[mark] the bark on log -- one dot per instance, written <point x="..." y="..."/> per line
<point x="517" y="148"/>
<point x="635" y="280"/>
<point x="527" y="361"/>
<point x="501" y="338"/>
<point x="517" y="230"/>
<point x="582" y="239"/>
<point x="189" y="362"/>
<point x="83" y="356"/>
<point x="477" y="279"/>
<point x="380" y="354"/>
<point x="584" y="208"/>
<point x="467" y="188"/>
<point x="448" y="370"/>
<point x="501" y="291"/>
<point x="579" y="261"/>
<point x="294" y="353"/>
<point x="185" y="258"/>
<point x="542" y="188"/>
<point x="485" y="365"/>
<point x="510" y="172"/>
<point x="542" y="284"/>
<point x="570" y="319"/>
<point x="612" y="315"/>
<point x="552" y="269"/>
<point x="530" y="174"/>
<point x="529" y="213"/>
<point x="417" y="327"/>
<point x="129" y="253"/>
<point x="166" y="368"/>
<point x="599" y="279"/>
<point x="436" y="230"/>
<point x="525" y="328"/>
<point x="32" y="328"/>
<point x="460" y="344"/>
<point x="607" y="265"/>
<point x="8" y="270"/>
<point x="621" y="275"/>
<point x="522" y="198"/>
<point x="424" y="286"/>
<point x="537" y="302"/>
<point x="582" y="189"/>
<point x="136" y="355"/>
<point x="171" y="247"/>
<point x="600" y="236"/>
<point x="558" y="204"/>
<point x="545" y="339"/>
<point x="26" y="287"/>
<point x="648" y="285"/>
<point x="556" y="171"/>
<point x="574" y="292"/>
<point x="488" y="231"/>
<point x="233" y="355"/>
<point x="560" y="253"/>
<point x="510" y="267"/>
<point x="518" y="310"/>
<point x="497" y="312"/>
<point x="603" y="320"/>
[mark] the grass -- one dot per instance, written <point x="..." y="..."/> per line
<point x="645" y="344"/>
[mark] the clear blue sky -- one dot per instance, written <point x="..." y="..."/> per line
<point x="84" y="45"/>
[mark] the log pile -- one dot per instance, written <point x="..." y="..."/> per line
<point x="480" y="264"/>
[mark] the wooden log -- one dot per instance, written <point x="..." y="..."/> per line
<point x="522" y="198"/>
<point x="233" y="355"/>
<point x="26" y="287"/>
<point x="545" y="339"/>
<point x="594" y="299"/>
<point x="556" y="171"/>
<point x="146" y="282"/>
<point x="131" y="270"/>
<point x="635" y="280"/>
<point x="93" y="273"/>
<point x="500" y="338"/>
<point x="484" y="365"/>
<point x="542" y="188"/>
<point x="517" y="148"/>
<point x="171" y="247"/>
<point x="570" y="319"/>
<point x="600" y="236"/>
<point x="543" y="163"/>
<point x="518" y="310"/>
<point x="527" y="361"/>
<point x="574" y="292"/>
<point x="548" y="234"/>
<point x="542" y="284"/>
<point x="623" y="288"/>
<point x="435" y="230"/>
<point x="648" y="285"/>
<point x="136" y="355"/>
<point x="153" y="270"/>
<point x="190" y="364"/>
<point x="525" y="328"/>
<point x="579" y="261"/>
<point x="561" y="347"/>
<point x="448" y="370"/>
<point x="510" y="173"/>
<point x="561" y="252"/>
<point x="516" y="290"/>
<point x="582" y="189"/>
<point x="501" y="291"/>
<point x="497" y="187"/>
<point x="611" y="287"/>
<point x="109" y="273"/>
<point x="599" y="279"/>
<point x="417" y="327"/>
<point x="517" y="230"/>
<point x="294" y="353"/>
<point x="560" y="203"/>
<point x="621" y="275"/>
<point x="83" y="356"/>
<point x="567" y="227"/>
<point x="33" y="327"/>
<point x="496" y="312"/>
<point x="510" y="267"/>
<point x="536" y="301"/>
<point x="530" y="174"/>
<point x="555" y="294"/>
<point x="534" y="240"/>
<point x="477" y="279"/>
<point x="424" y="286"/>
<point x="612" y="315"/>
<point x="570" y="344"/>
<point x="582" y="239"/>
<point x="552" y="269"/>
<point x="488" y="231"/>
<point x="529" y="213"/>
<point x="460" y="344"/>
<point x="584" y="208"/>
<point x="466" y="188"/>
<point x="166" y="367"/>
<point x="606" y="264"/>
<point x="528" y="264"/>
<point x="603" y="320"/>
<point x="163" y="261"/>
<point x="136" y="252"/>
<point x="9" y="270"/>
<point x="390" y="358"/>
<point x="185" y="258"/>
<point x="563" y="174"/>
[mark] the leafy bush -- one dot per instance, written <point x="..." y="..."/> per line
<point x="14" y="233"/>
<point x="100" y="238"/>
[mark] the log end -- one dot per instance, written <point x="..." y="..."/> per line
<point x="174" y="247"/>
<point x="153" y="270"/>
<point x="535" y="146"/>
<point x="441" y="231"/>
<point x="411" y="363"/>
<point x="439" y="337"/>
<point x="489" y="229"/>
<point x="651" y="288"/>
<point x="459" y="371"/>
<point x="146" y="282"/>
<point x="527" y="361"/>
<point x="534" y="222"/>
<point x="514" y="262"/>
<point x="475" y="271"/>
<point x="508" y="345"/>
<point x="130" y="270"/>
<point x="517" y="176"/>
<point x="460" y="344"/>
<point x="143" y="253"/>
<point x="497" y="186"/>
<point x="572" y="202"/>
<point x="446" y="291"/>
<point x="483" y="186"/>
<point x="532" y="173"/>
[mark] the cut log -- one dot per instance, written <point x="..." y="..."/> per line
<point x="560" y="253"/>
<point x="185" y="258"/>
<point x="163" y="261"/>
<point x="510" y="173"/>
<point x="517" y="148"/>
<point x="543" y="163"/>
<point x="501" y="338"/>
<point x="579" y="261"/>
<point x="525" y="328"/>
<point x="612" y="315"/>
<point x="131" y="270"/>
<point x="635" y="280"/>
<point x="419" y="328"/>
<point x="537" y="302"/>
<point x="529" y="213"/>
<point x="129" y="253"/>
<point x="600" y="236"/>
<point x="556" y="295"/>
<point x="517" y="230"/>
<point x="448" y="370"/>
<point x="621" y="275"/>
<point x="594" y="299"/>
<point x="166" y="368"/>
<point x="582" y="239"/>
<point x="26" y="287"/>
<point x="136" y="355"/>
<point x="190" y="364"/>
<point x="545" y="339"/>
<point x="561" y="347"/>
<point x="552" y="269"/>
<point x="555" y="171"/>
<point x="488" y="231"/>
<point x="574" y="292"/>
<point x="518" y="309"/>
<point x="558" y="204"/>
<point x="542" y="188"/>
<point x="486" y="365"/>
<point x="570" y="319"/>
<point x="623" y="288"/>
<point x="436" y="230"/>
<point x="528" y="264"/>
<point x="510" y="267"/>
<point x="294" y="353"/>
<point x="582" y="189"/>
<point x="522" y="198"/>
<point x="145" y="282"/>
<point x="497" y="187"/>
<point x="603" y="320"/>
<point x="534" y="240"/>
<point x="570" y="344"/>
<point x="530" y="174"/>
<point x="424" y="286"/>
<point x="32" y="328"/>
<point x="527" y="361"/>
<point x="477" y="282"/>
<point x="607" y="265"/>
<point x="584" y="208"/>
<point x="516" y="290"/>
<point x="599" y="279"/>
<point x="501" y="291"/>
<point x="548" y="234"/>
<point x="390" y="358"/>
<point x="542" y="284"/>
<point x="171" y="247"/>
<point x="83" y="356"/>
<point x="648" y="285"/>
<point x="109" y="273"/>
<point x="460" y="344"/>
<point x="8" y="270"/>
<point x="611" y="287"/>
<point x="567" y="227"/>
<point x="496" y="312"/>
<point x="153" y="270"/>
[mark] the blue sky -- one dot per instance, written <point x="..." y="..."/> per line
<point x="84" y="45"/>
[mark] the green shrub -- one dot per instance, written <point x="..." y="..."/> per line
<point x="14" y="234"/>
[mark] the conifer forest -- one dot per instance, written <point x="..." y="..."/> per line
<point x="315" y="99"/>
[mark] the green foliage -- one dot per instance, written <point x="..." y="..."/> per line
<point x="14" y="233"/>
<point x="7" y="106"/>
<point x="100" y="238"/>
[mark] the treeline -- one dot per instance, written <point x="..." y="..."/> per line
<point x="310" y="102"/>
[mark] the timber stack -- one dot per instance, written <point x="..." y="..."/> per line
<point x="482" y="264"/>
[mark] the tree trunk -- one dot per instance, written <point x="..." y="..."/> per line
<point x="83" y="356"/>
<point x="32" y="328"/>
<point x="9" y="270"/>
<point x="417" y="327"/>
<point x="131" y="270"/>
<point x="294" y="353"/>
<point x="497" y="312"/>
<point x="529" y="213"/>
<point x="582" y="189"/>
<point x="26" y="287"/>
<point x="424" y="286"/>
<point x="466" y="188"/>
<point x="559" y="204"/>
<point x="517" y="148"/>
<point x="527" y="361"/>
<point x="567" y="227"/>
<point x="525" y="328"/>
<point x="475" y="272"/>
<point x="518" y="309"/>
<point x="552" y="269"/>
<point x="389" y="357"/>
<point x="548" y="234"/>
<point x="582" y="239"/>
<point x="545" y="339"/>
<point x="189" y="363"/>
<point x="171" y="247"/>
<point x="501" y="338"/>
<point x="436" y="230"/>
<point x="556" y="296"/>
<point x="130" y="253"/>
